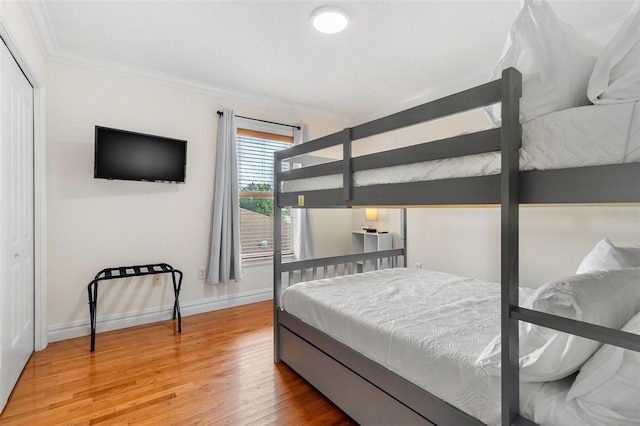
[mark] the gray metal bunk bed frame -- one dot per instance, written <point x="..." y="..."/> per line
<point x="367" y="392"/>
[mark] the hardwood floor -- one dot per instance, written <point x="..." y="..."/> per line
<point x="219" y="371"/>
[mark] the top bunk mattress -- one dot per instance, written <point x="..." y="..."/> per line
<point x="428" y="327"/>
<point x="578" y="137"/>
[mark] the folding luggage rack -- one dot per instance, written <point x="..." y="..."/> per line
<point x="132" y="271"/>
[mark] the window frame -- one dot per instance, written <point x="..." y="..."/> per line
<point x="279" y="133"/>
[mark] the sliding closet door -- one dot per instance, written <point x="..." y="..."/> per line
<point x="16" y="223"/>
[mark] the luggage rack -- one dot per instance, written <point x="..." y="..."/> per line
<point x="132" y="271"/>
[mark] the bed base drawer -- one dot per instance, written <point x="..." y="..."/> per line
<point x="362" y="401"/>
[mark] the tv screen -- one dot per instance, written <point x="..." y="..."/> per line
<point x="120" y="154"/>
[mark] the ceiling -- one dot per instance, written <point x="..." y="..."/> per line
<point x="395" y="54"/>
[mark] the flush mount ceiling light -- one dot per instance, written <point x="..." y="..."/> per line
<point x="329" y="19"/>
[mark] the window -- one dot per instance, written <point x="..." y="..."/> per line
<point x="255" y="182"/>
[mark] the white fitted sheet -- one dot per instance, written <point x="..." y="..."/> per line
<point x="578" y="137"/>
<point x="548" y="406"/>
<point x="428" y="327"/>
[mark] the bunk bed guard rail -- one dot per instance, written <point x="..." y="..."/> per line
<point x="442" y="192"/>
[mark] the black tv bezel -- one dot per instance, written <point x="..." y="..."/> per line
<point x="95" y="156"/>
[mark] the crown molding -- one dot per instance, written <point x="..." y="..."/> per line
<point x="65" y="57"/>
<point x="38" y="18"/>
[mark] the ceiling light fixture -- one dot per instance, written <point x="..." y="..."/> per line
<point x="329" y="19"/>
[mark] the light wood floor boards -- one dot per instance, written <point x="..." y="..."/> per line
<point x="219" y="371"/>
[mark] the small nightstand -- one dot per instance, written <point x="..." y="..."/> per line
<point x="362" y="242"/>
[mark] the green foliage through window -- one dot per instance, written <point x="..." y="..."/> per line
<point x="263" y="204"/>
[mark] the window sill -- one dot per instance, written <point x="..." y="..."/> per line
<point x="263" y="261"/>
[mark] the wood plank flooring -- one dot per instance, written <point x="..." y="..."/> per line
<point x="218" y="371"/>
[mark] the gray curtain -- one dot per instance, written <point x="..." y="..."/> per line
<point x="302" y="242"/>
<point x="225" y="262"/>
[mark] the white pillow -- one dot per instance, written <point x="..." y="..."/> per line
<point x="607" y="256"/>
<point x="616" y="75"/>
<point x="607" y="298"/>
<point x="555" y="61"/>
<point x="607" y="390"/>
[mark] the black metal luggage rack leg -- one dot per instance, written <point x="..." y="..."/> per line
<point x="132" y="271"/>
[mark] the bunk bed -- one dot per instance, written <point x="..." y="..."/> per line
<point x="369" y="391"/>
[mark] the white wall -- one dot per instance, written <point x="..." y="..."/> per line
<point x="94" y="224"/>
<point x="553" y="240"/>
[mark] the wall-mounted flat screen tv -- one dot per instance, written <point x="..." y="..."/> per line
<point x="120" y="154"/>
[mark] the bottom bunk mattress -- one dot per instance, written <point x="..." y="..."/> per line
<point x="427" y="327"/>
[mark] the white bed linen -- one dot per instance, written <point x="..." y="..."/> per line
<point x="428" y="327"/>
<point x="583" y="136"/>
<point x="548" y="406"/>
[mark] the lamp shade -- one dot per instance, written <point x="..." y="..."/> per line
<point x="371" y="214"/>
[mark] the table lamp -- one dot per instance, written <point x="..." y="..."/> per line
<point x="371" y="215"/>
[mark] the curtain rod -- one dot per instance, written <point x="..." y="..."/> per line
<point x="220" y="113"/>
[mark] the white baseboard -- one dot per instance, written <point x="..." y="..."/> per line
<point x="81" y="328"/>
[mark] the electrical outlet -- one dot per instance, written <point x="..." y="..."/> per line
<point x="157" y="279"/>
<point x="202" y="272"/>
<point x="419" y="265"/>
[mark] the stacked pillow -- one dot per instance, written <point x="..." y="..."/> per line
<point x="606" y="298"/>
<point x="554" y="59"/>
<point x="607" y="390"/>
<point x="616" y="75"/>
<point x="606" y="292"/>
<point x="607" y="256"/>
<point x="562" y="68"/>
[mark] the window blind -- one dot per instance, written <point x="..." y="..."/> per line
<point x="255" y="181"/>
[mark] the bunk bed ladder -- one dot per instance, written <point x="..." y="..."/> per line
<point x="509" y="269"/>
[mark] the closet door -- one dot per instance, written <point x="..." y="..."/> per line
<point x="16" y="223"/>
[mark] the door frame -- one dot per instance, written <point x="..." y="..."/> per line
<point x="24" y="56"/>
